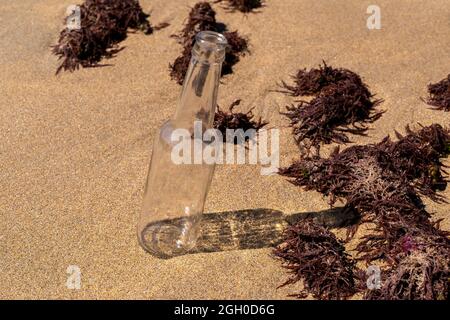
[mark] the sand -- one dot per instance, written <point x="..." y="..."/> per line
<point x="75" y="148"/>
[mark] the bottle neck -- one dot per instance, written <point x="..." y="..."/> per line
<point x="199" y="95"/>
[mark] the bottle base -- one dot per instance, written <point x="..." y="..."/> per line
<point x="167" y="239"/>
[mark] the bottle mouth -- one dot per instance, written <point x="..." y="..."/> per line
<point x="211" y="40"/>
<point x="210" y="46"/>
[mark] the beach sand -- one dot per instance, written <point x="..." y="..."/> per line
<point x="75" y="148"/>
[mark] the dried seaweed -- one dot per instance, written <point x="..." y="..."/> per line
<point x="104" y="23"/>
<point x="439" y="94"/>
<point x="312" y="254"/>
<point x="202" y="17"/>
<point x="312" y="82"/>
<point x="338" y="110"/>
<point x="342" y="104"/>
<point x="244" y="6"/>
<point x="236" y="120"/>
<point x="384" y="182"/>
<point x="237" y="47"/>
<point x="421" y="270"/>
<point x="365" y="176"/>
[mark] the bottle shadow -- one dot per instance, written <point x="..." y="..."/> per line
<point x="259" y="228"/>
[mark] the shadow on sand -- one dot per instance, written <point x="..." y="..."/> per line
<point x="259" y="228"/>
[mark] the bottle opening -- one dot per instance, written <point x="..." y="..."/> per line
<point x="210" y="46"/>
<point x="211" y="39"/>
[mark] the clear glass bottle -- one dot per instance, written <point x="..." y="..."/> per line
<point x="175" y="193"/>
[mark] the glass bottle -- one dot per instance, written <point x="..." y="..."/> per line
<point x="175" y="193"/>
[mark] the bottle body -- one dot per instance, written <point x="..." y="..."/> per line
<point x="176" y="191"/>
<point x="174" y="199"/>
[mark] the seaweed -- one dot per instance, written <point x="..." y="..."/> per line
<point x="338" y="110"/>
<point x="439" y="94"/>
<point x="342" y="104"/>
<point x="421" y="270"/>
<point x="104" y="23"/>
<point x="237" y="47"/>
<point x="244" y="6"/>
<point x="314" y="255"/>
<point x="384" y="183"/>
<point x="370" y="175"/>
<point x="312" y="82"/>
<point x="179" y="67"/>
<point x="236" y="120"/>
<point x="202" y="17"/>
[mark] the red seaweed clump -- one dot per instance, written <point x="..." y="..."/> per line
<point x="202" y="17"/>
<point x="439" y="94"/>
<point x="338" y="110"/>
<point x="244" y="6"/>
<point x="314" y="255"/>
<point x="237" y="47"/>
<point x="104" y="23"/>
<point x="421" y="270"/>
<point x="307" y="83"/>
<point x="384" y="182"/>
<point x="236" y="120"/>
<point x="179" y="67"/>
<point x="342" y="104"/>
